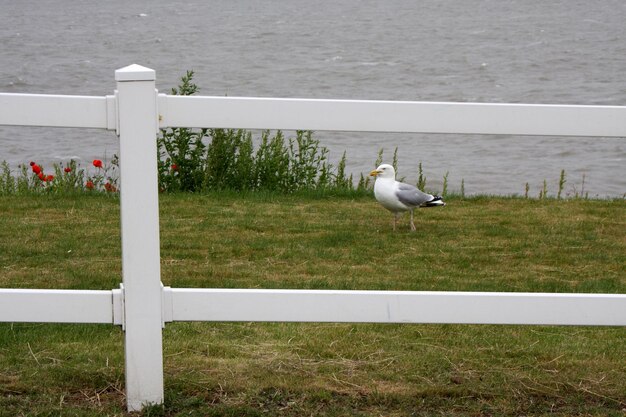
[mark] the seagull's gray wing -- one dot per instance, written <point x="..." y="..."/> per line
<point x="410" y="196"/>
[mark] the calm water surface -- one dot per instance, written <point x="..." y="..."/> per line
<point x="562" y="52"/>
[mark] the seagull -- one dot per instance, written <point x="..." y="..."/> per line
<point x="398" y="197"/>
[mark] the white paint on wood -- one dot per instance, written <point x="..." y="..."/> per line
<point x="192" y="304"/>
<point x="56" y="306"/>
<point x="53" y="110"/>
<point x="136" y="106"/>
<point x="391" y="116"/>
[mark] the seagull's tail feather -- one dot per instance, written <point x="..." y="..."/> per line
<point x="436" y="201"/>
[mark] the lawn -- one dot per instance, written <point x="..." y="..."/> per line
<point x="310" y="241"/>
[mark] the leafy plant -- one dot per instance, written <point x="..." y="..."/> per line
<point x="67" y="178"/>
<point x="306" y="160"/>
<point x="421" y="178"/>
<point x="181" y="151"/>
<point x="7" y="182"/>
<point x="561" y="183"/>
<point x="341" y="181"/>
<point x="225" y="159"/>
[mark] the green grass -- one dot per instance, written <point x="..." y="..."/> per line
<point x="323" y="242"/>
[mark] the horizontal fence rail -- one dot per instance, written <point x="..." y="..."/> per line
<point x="315" y="114"/>
<point x="349" y="306"/>
<point x="56" y="306"/>
<point x="191" y="304"/>
<point x="392" y="116"/>
<point x="57" y="111"/>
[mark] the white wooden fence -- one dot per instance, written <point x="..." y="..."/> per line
<point x="142" y="305"/>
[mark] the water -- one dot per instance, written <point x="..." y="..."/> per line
<point x="557" y="52"/>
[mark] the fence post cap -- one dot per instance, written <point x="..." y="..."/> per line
<point x="135" y="72"/>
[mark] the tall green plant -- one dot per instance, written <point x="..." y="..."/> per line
<point x="7" y="182"/>
<point x="421" y="178"/>
<point x="342" y="181"/>
<point x="181" y="151"/>
<point x="444" y="191"/>
<point x="220" y="159"/>
<point x="307" y="160"/>
<point x="272" y="163"/>
<point x="222" y="164"/>
<point x="561" y="183"/>
<point x="244" y="164"/>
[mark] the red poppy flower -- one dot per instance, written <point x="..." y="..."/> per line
<point x="97" y="163"/>
<point x="174" y="167"/>
<point x="89" y="185"/>
<point x="32" y="163"/>
<point x="41" y="176"/>
<point x="110" y="187"/>
<point x="36" y="169"/>
<point x="67" y="169"/>
<point x="50" y="178"/>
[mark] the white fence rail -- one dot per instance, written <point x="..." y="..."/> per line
<point x="56" y="306"/>
<point x="56" y="111"/>
<point x="193" y="304"/>
<point x="392" y="116"/>
<point x="142" y="305"/>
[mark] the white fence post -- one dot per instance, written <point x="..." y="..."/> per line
<point x="137" y="112"/>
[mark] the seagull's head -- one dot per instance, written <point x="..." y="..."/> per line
<point x="384" y="171"/>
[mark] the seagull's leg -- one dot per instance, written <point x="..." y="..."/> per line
<point x="412" y="224"/>
<point x="395" y="220"/>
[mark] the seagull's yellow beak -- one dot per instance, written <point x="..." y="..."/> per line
<point x="374" y="173"/>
